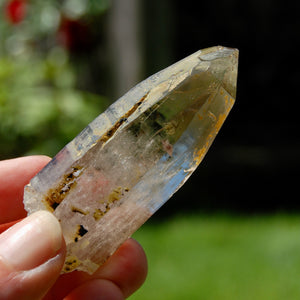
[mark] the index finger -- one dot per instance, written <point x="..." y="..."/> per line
<point x="14" y="175"/>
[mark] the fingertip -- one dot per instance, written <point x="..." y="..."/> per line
<point x="127" y="267"/>
<point x="32" y="254"/>
<point x="31" y="242"/>
<point x="97" y="289"/>
<point x="14" y="175"/>
<point x="37" y="158"/>
<point x="135" y="257"/>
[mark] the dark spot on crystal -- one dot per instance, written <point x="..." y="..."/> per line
<point x="78" y="210"/>
<point x="124" y="118"/>
<point x="82" y="231"/>
<point x="56" y="195"/>
<point x="54" y="205"/>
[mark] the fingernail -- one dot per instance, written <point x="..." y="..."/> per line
<point x="31" y="242"/>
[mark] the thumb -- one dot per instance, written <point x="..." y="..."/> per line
<point x="32" y="253"/>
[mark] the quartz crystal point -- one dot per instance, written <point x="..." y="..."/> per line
<point x="130" y="160"/>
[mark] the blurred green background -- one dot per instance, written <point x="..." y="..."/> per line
<point x="232" y="232"/>
<point x="224" y="257"/>
<point x="44" y="102"/>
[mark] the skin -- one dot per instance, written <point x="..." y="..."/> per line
<point x="39" y="277"/>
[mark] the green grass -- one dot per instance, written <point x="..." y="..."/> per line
<point x="222" y="257"/>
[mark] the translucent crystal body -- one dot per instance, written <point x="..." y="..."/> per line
<point x="130" y="160"/>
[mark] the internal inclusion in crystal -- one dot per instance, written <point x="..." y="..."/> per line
<point x="140" y="161"/>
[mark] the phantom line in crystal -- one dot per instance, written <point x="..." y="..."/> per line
<point x="133" y="157"/>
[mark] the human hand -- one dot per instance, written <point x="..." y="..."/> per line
<point x="32" y="252"/>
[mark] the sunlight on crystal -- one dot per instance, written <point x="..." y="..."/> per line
<point x="132" y="158"/>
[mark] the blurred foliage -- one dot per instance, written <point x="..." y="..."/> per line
<point x="43" y="103"/>
<point x="221" y="257"/>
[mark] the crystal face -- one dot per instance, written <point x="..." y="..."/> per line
<point x="132" y="158"/>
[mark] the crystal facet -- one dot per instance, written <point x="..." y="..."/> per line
<point x="130" y="160"/>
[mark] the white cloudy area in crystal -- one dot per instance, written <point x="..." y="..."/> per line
<point x="132" y="158"/>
